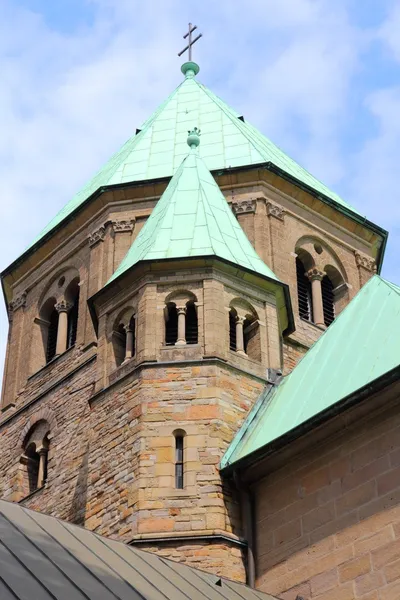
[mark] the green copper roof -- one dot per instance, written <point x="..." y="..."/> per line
<point x="360" y="346"/>
<point x="159" y="147"/>
<point x="193" y="219"/>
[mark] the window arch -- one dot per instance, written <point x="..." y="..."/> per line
<point x="179" y="435"/>
<point x="34" y="459"/>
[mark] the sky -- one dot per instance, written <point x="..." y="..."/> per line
<point x="319" y="78"/>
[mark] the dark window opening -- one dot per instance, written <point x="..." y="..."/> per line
<point x="171" y="325"/>
<point x="73" y="322"/>
<point x="191" y="327"/>
<point x="232" y="331"/>
<point x="52" y="336"/>
<point x="132" y="327"/>
<point x="328" y="303"/>
<point x="303" y="292"/>
<point x="120" y="344"/>
<point x="33" y="461"/>
<point x="179" y="462"/>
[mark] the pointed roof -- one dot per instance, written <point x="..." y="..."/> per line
<point x="359" y="347"/>
<point x="157" y="148"/>
<point x="193" y="219"/>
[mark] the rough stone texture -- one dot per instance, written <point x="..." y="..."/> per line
<point x="328" y="523"/>
<point x="111" y="456"/>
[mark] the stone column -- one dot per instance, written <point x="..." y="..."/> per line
<point x="181" y="341"/>
<point x="129" y="343"/>
<point x="239" y="335"/>
<point x="42" y="467"/>
<point x="62" y="308"/>
<point x="316" y="276"/>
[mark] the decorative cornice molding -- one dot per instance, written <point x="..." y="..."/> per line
<point x="98" y="235"/>
<point x="244" y="206"/>
<point x="366" y="262"/>
<point x="274" y="210"/>
<point x="18" y="302"/>
<point x="315" y="273"/>
<point x="123" y="225"/>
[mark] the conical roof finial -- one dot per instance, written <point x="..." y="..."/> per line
<point x="193" y="138"/>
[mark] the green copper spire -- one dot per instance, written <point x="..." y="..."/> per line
<point x="193" y="219"/>
<point x="158" y="147"/>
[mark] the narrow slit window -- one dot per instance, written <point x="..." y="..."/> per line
<point x="303" y="292"/>
<point x="52" y="336"/>
<point x="328" y="302"/>
<point x="179" y="462"/>
<point x="191" y="324"/>
<point x="171" y="325"/>
<point x="232" y="331"/>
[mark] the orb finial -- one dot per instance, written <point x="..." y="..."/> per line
<point x="193" y="138"/>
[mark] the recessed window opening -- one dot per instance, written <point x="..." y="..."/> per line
<point x="179" y="474"/>
<point x="171" y="325"/>
<point x="328" y="302"/>
<point x="303" y="292"/>
<point x="192" y="335"/>
<point x="232" y="330"/>
<point x="33" y="463"/>
<point x="119" y="344"/>
<point x="52" y="336"/>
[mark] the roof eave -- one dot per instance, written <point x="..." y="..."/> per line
<point x="337" y="408"/>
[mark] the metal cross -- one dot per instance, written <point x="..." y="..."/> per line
<point x="191" y="42"/>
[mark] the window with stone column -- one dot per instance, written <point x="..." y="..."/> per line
<point x="181" y="322"/>
<point x="34" y="459"/>
<point x="244" y="330"/>
<point x="322" y="290"/>
<point x="124" y="338"/>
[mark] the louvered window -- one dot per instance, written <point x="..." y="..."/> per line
<point x="132" y="327"/>
<point x="328" y="300"/>
<point x="232" y="331"/>
<point x="171" y="326"/>
<point x="73" y="322"/>
<point x="191" y="324"/>
<point x="52" y="336"/>
<point x="303" y="292"/>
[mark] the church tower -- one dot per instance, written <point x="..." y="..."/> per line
<point x="149" y="315"/>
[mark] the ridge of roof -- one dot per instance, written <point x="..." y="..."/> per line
<point x="155" y="151"/>
<point x="193" y="219"/>
<point x="360" y="344"/>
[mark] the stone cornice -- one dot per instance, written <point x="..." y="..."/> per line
<point x="275" y="210"/>
<point x="244" y="206"/>
<point x="123" y="225"/>
<point x="98" y="235"/>
<point x="366" y="262"/>
<point x="18" y="302"/>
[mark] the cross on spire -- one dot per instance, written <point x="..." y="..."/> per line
<point x="191" y="42"/>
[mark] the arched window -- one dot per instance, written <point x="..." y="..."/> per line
<point x="179" y="459"/>
<point x="124" y="338"/>
<point x="52" y="330"/>
<point x="303" y="292"/>
<point x="171" y="324"/>
<point x="251" y="338"/>
<point x="191" y="325"/>
<point x="232" y="329"/>
<point x="328" y="303"/>
<point x="34" y="458"/>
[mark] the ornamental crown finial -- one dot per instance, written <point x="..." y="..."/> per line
<point x="193" y="138"/>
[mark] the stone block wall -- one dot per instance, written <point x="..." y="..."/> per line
<point x="328" y="523"/>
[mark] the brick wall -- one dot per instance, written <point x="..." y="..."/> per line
<point x="328" y="522"/>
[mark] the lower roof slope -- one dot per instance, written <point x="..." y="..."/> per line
<point x="156" y="149"/>
<point x="360" y="346"/>
<point x="43" y="558"/>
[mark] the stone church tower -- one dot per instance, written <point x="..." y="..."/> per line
<point x="148" y="316"/>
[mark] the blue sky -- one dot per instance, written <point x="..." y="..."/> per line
<point x="321" y="79"/>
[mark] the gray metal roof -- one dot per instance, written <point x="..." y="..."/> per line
<point x="43" y="558"/>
